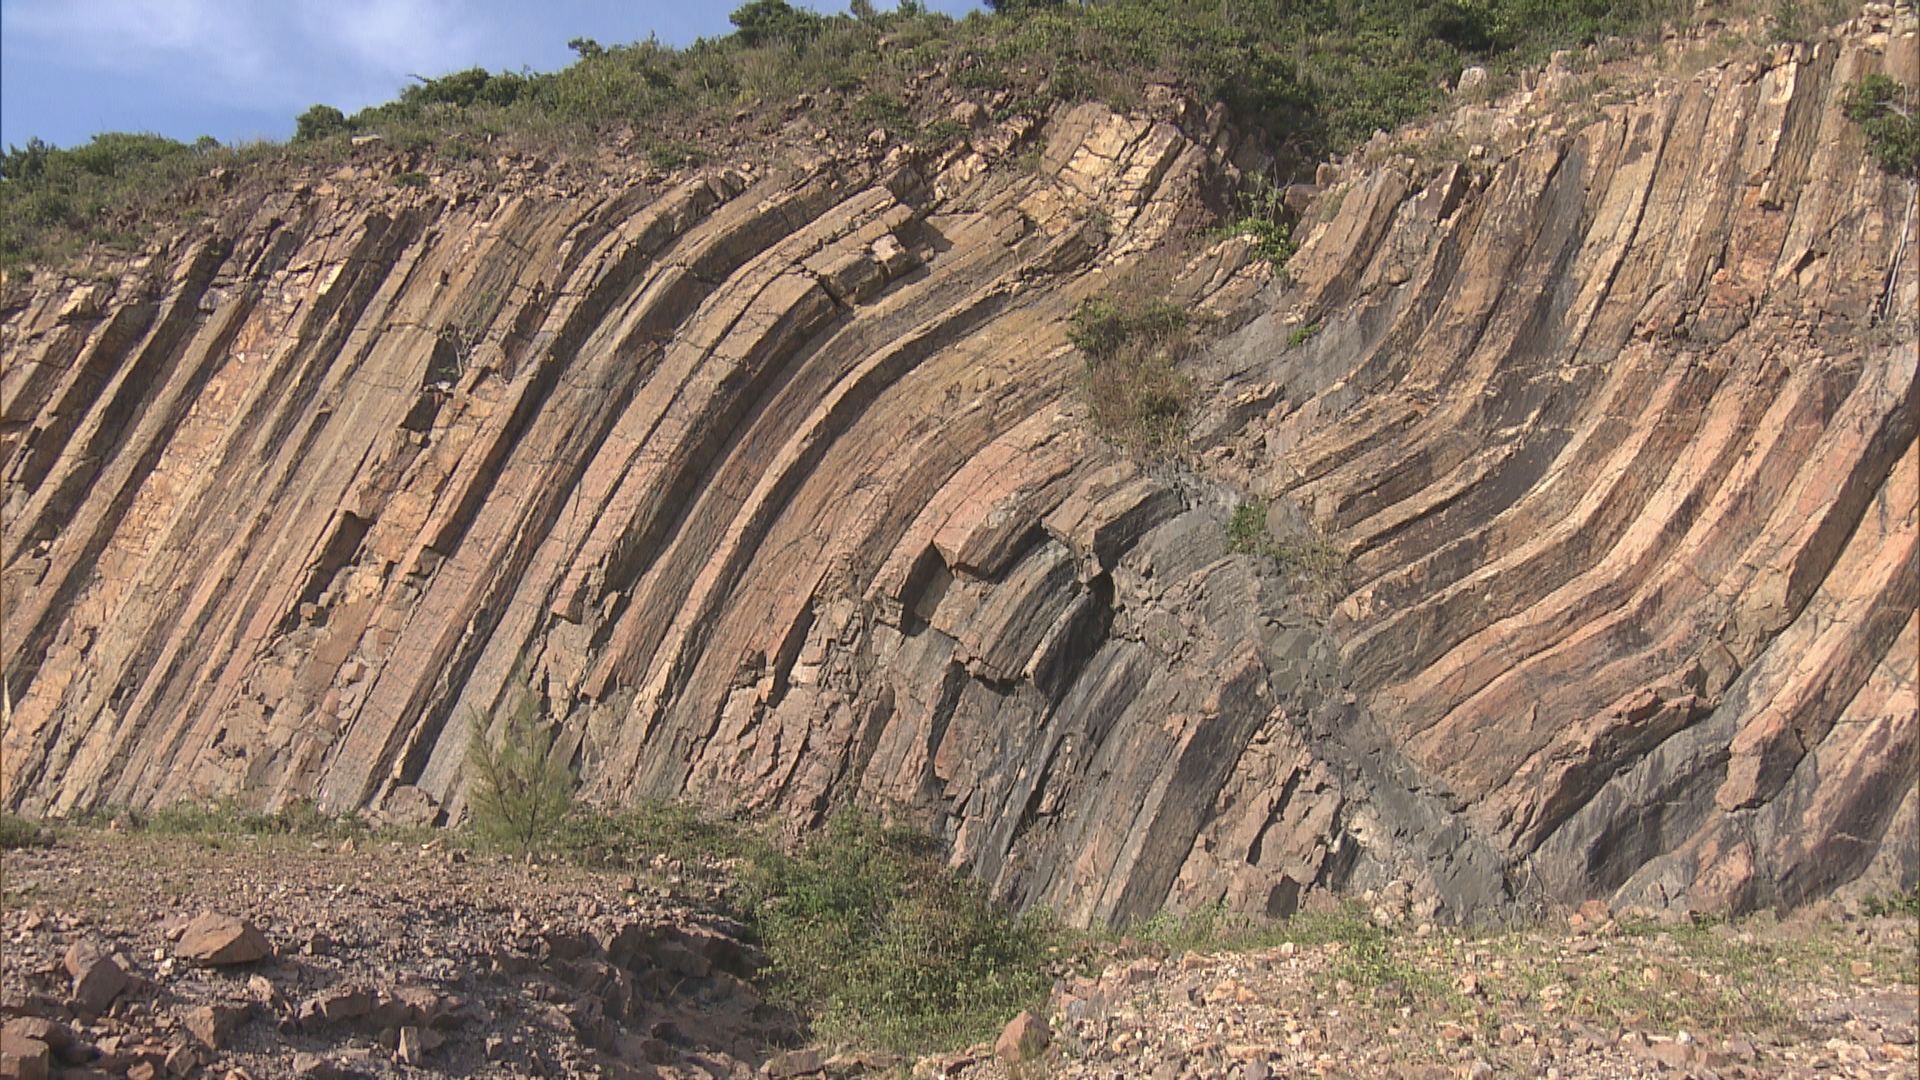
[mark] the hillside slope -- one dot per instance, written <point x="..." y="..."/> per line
<point x="774" y="486"/>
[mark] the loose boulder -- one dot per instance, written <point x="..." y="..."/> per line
<point x="220" y="940"/>
<point x="793" y="1063"/>
<point x="98" y="978"/>
<point x="213" y="1025"/>
<point x="22" y="1058"/>
<point x="1023" y="1039"/>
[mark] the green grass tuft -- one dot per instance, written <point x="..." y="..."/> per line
<point x="866" y="928"/>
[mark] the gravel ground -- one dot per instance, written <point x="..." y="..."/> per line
<point x="490" y="966"/>
<point x="1817" y="995"/>
<point x="410" y="958"/>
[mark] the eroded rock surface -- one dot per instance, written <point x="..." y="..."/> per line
<point x="774" y="487"/>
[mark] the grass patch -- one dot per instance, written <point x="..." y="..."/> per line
<point x="215" y="823"/>
<point x="1894" y="903"/>
<point x="866" y="929"/>
<point x="1135" y="393"/>
<point x="673" y="154"/>
<point x="1801" y="21"/>
<point x="664" y="840"/>
<point x="1302" y="334"/>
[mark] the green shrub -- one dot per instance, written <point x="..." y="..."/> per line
<point x="1102" y="326"/>
<point x="1135" y="393"/>
<point x="673" y="154"/>
<point x="869" y="931"/>
<point x="117" y="154"/>
<point x="1888" y="113"/>
<point x="17" y="832"/>
<point x="1302" y="334"/>
<point x="26" y="163"/>
<point x="1261" y="214"/>
<point x="52" y="201"/>
<point x="410" y="179"/>
<point x="884" y="110"/>
<point x="942" y="133"/>
<point x="865" y="927"/>
<point x="763" y="21"/>
<point x="521" y="791"/>
<point x="1247" y="528"/>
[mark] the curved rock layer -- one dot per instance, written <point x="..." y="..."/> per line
<point x="776" y="491"/>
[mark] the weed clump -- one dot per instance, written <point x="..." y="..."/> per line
<point x="522" y="792"/>
<point x="1135" y="393"/>
<point x="1261" y="215"/>
<point x="1312" y="558"/>
<point x="230" y="817"/>
<point x="1895" y="903"/>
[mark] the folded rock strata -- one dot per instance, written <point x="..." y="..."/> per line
<point x="774" y="488"/>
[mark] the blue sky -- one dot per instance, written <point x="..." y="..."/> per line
<point x="242" y="69"/>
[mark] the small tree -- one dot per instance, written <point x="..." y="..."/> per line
<point x="521" y="791"/>
<point x="763" y="21"/>
<point x="319" y="122"/>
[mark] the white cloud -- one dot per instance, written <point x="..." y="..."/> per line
<point x="287" y="55"/>
<point x="387" y="40"/>
<point x="117" y="34"/>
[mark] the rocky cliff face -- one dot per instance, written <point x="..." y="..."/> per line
<point x="773" y="485"/>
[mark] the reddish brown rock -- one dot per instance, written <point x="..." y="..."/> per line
<point x="56" y="1036"/>
<point x="793" y="1063"/>
<point x="98" y="978"/>
<point x="221" y="940"/>
<point x="337" y="1005"/>
<point x="1024" y="1039"/>
<point x="23" y="1058"/>
<point x="213" y="1025"/>
<point x="415" y="1043"/>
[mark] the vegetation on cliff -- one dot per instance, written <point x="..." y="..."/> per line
<point x="1314" y="77"/>
<point x="1888" y="113"/>
<point x="1133" y="387"/>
